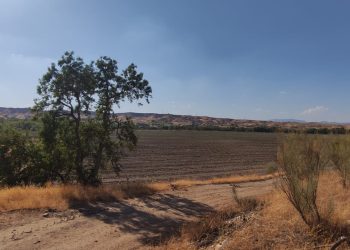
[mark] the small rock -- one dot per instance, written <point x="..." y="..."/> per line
<point x="220" y="245"/>
<point x="27" y="231"/>
<point x="14" y="236"/>
<point x="46" y="214"/>
<point x="36" y="242"/>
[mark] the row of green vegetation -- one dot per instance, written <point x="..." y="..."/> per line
<point x="261" y="129"/>
<point x="30" y="126"/>
<point x="75" y="132"/>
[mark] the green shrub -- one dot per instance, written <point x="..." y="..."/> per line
<point x="339" y="154"/>
<point x="271" y="168"/>
<point x="301" y="158"/>
<point x="15" y="158"/>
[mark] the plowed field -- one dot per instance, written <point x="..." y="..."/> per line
<point x="166" y="155"/>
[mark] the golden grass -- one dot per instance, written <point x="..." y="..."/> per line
<point x="278" y="225"/>
<point x="63" y="196"/>
<point x="223" y="180"/>
<point x="334" y="200"/>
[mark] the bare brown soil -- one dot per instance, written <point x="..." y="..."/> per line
<point x="131" y="224"/>
<point x="169" y="155"/>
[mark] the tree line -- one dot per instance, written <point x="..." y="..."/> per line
<point x="259" y="129"/>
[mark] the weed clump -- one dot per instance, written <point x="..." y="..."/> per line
<point x="339" y="154"/>
<point x="301" y="159"/>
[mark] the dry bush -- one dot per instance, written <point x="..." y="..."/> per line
<point x="279" y="226"/>
<point x="63" y="196"/>
<point x="206" y="230"/>
<point x="245" y="204"/>
<point x="301" y="159"/>
<point x="339" y="154"/>
<point x="334" y="204"/>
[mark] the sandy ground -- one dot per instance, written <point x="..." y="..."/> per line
<point x="130" y="224"/>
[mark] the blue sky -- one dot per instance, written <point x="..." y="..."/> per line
<point x="239" y="59"/>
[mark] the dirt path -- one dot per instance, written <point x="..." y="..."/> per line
<point x="130" y="224"/>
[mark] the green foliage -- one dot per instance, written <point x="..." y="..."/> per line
<point x="301" y="159"/>
<point x="339" y="154"/>
<point x="13" y="157"/>
<point x="25" y="126"/>
<point x="20" y="159"/>
<point x="80" y="133"/>
<point x="259" y="129"/>
<point x="271" y="168"/>
<point x="83" y="143"/>
<point x="57" y="136"/>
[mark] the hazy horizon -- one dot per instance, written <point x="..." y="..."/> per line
<point x="282" y="119"/>
<point x="258" y="60"/>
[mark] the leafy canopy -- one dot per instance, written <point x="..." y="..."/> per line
<point x="81" y="98"/>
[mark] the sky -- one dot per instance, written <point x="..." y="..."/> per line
<point x="247" y="59"/>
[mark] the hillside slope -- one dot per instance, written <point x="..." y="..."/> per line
<point x="154" y="120"/>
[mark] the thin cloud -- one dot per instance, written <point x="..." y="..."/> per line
<point x="282" y="92"/>
<point x="261" y="110"/>
<point x="315" y="110"/>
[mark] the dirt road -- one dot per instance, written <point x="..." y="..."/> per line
<point x="130" y="224"/>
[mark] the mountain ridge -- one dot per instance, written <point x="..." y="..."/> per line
<point x="156" y="120"/>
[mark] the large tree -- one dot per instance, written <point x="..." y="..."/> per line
<point x="83" y="98"/>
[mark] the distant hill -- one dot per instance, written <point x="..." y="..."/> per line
<point x="154" y="120"/>
<point x="170" y="120"/>
<point x="288" y="120"/>
<point x="18" y="113"/>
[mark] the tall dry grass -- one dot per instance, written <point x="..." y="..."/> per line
<point x="339" y="154"/>
<point x="277" y="225"/>
<point x="223" y="180"/>
<point x="63" y="196"/>
<point x="334" y="199"/>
